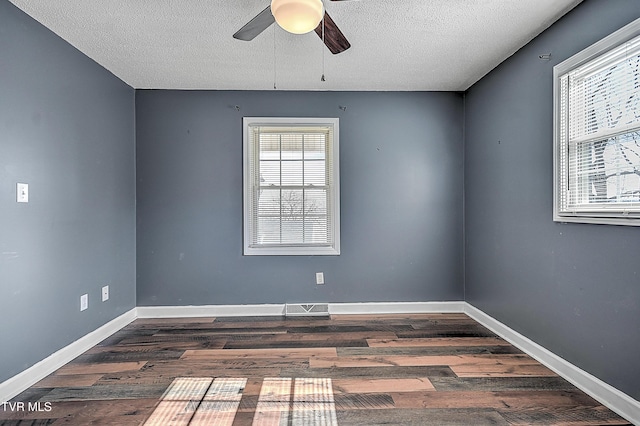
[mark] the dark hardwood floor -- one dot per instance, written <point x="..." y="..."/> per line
<point x="428" y="369"/>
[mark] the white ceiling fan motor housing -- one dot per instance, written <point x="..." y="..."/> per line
<point x="297" y="16"/>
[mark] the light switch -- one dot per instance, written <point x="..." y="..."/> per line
<point x="23" y="192"/>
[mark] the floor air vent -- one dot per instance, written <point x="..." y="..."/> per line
<point x="305" y="310"/>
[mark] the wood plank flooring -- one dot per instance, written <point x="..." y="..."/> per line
<point x="427" y="369"/>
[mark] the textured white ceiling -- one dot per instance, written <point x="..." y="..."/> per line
<point x="396" y="45"/>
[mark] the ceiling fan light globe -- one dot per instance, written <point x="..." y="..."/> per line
<point x="297" y="16"/>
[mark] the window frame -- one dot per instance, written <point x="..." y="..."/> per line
<point x="250" y="249"/>
<point x="614" y="214"/>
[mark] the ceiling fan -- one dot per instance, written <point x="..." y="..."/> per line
<point x="284" y="12"/>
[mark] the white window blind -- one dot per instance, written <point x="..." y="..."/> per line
<point x="291" y="190"/>
<point x="597" y="116"/>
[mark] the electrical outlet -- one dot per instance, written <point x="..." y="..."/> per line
<point x="84" y="302"/>
<point x="105" y="293"/>
<point x="319" y="278"/>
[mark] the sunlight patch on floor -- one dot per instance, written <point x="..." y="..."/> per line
<point x="283" y="401"/>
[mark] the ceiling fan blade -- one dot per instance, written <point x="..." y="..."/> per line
<point x="335" y="41"/>
<point x="261" y="22"/>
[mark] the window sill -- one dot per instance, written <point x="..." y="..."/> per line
<point x="291" y="251"/>
<point x="624" y="221"/>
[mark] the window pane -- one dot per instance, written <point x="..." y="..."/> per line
<point x="269" y="202"/>
<point x="291" y="147"/>
<point x="269" y="173"/>
<point x="268" y="230"/>
<point x="316" y="220"/>
<point x="315" y="147"/>
<point x="315" y="230"/>
<point x="292" y="173"/>
<point x="292" y="205"/>
<point x="292" y="230"/>
<point x="315" y="201"/>
<point x="269" y="146"/>
<point x="292" y="216"/>
<point x="621" y="158"/>
<point x="315" y="173"/>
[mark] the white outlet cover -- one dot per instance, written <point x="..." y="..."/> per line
<point x="105" y="293"/>
<point x="84" y="302"/>
<point x="319" y="278"/>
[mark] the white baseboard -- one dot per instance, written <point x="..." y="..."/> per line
<point x="209" y="311"/>
<point x="22" y="381"/>
<point x="279" y="309"/>
<point x="604" y="393"/>
<point x="380" y="308"/>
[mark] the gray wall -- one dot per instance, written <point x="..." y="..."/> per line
<point x="401" y="200"/>
<point x="66" y="129"/>
<point x="573" y="288"/>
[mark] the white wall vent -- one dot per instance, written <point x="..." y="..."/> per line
<point x="310" y="309"/>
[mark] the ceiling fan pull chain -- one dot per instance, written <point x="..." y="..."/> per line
<point x="274" y="58"/>
<point x="322" y="78"/>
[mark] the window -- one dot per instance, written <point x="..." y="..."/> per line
<point x="597" y="132"/>
<point x="291" y="186"/>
